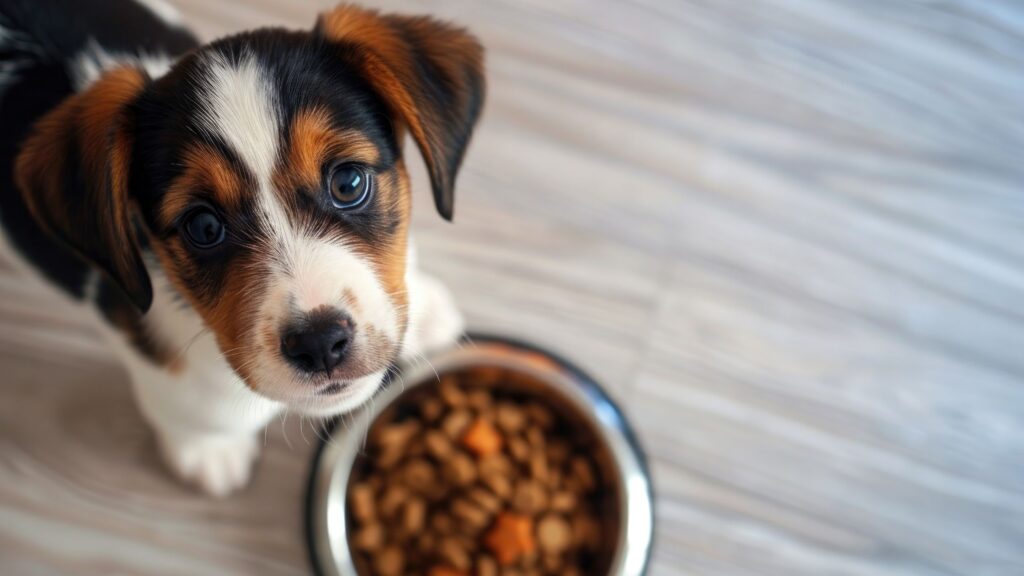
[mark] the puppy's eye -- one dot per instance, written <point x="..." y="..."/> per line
<point x="203" y="228"/>
<point x="350" y="186"/>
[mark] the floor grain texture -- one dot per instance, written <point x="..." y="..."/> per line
<point x="788" y="235"/>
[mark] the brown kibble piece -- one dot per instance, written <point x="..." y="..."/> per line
<point x="390" y="561"/>
<point x="392" y="499"/>
<point x="438" y="444"/>
<point x="485" y="500"/>
<point x="563" y="501"/>
<point x="479" y="399"/>
<point x="472" y="514"/>
<point x="414" y="516"/>
<point x="529" y="497"/>
<point x="496" y="464"/>
<point x="397" y="434"/>
<point x="369" y="538"/>
<point x="519" y="449"/>
<point x="586" y="532"/>
<point x="583" y="473"/>
<point x="553" y="534"/>
<point x="510" y="418"/>
<point x="360" y="497"/>
<point x="460" y="470"/>
<point x="431" y="409"/>
<point x="419" y="475"/>
<point x="453" y="553"/>
<point x="539" y="466"/>
<point x="540" y="415"/>
<point x="510" y="538"/>
<point x="482" y="439"/>
<point x="454" y="424"/>
<point x="535" y="437"/>
<point x="499" y="484"/>
<point x="558" y="451"/>
<point x="450" y="392"/>
<point x="486" y="566"/>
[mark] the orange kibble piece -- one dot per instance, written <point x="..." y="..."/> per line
<point x="482" y="439"/>
<point x="510" y="538"/>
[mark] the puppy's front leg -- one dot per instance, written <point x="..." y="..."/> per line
<point x="435" y="322"/>
<point x="206" y="421"/>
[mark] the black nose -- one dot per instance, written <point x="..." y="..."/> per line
<point x="317" y="342"/>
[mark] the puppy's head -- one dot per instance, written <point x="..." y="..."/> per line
<point x="265" y="174"/>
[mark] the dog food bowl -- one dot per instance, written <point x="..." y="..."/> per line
<point x="571" y="393"/>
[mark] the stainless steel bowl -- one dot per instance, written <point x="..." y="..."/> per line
<point x="576" y="396"/>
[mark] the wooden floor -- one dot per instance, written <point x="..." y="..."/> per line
<point x="788" y="235"/>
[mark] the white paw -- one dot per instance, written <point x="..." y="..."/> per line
<point x="217" y="465"/>
<point x="436" y="322"/>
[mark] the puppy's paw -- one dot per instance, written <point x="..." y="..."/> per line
<point x="436" y="320"/>
<point x="217" y="465"/>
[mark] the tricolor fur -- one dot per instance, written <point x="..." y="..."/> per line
<point x="117" y="128"/>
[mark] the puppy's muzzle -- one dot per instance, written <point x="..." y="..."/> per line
<point x="318" y="341"/>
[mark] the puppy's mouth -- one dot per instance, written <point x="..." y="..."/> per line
<point x="332" y="388"/>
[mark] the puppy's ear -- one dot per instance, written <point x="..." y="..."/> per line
<point x="429" y="73"/>
<point x="73" y="174"/>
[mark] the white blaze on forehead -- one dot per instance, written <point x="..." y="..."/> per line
<point x="241" y="107"/>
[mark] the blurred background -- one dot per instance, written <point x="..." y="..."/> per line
<point x="788" y="236"/>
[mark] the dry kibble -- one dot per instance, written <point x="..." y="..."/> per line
<point x="479" y="399"/>
<point x="390" y="561"/>
<point x="540" y="415"/>
<point x="539" y="466"/>
<point x="558" y="451"/>
<point x="431" y="409"/>
<point x="454" y="424"/>
<point x="398" y="434"/>
<point x="450" y="393"/>
<point x="472" y="480"/>
<point x="361" y="498"/>
<point x="499" y="484"/>
<point x="482" y="439"/>
<point x="460" y="469"/>
<point x="562" y="501"/>
<point x="583" y="473"/>
<point x="370" y="537"/>
<point x="535" y="436"/>
<point x="454" y="554"/>
<point x="519" y="449"/>
<point x="419" y="475"/>
<point x="496" y="464"/>
<point x="530" y="497"/>
<point x="486" y="566"/>
<point x="553" y="534"/>
<point x="438" y="444"/>
<point x="473" y="515"/>
<point x="414" y="516"/>
<point x="509" y="417"/>
<point x="485" y="500"/>
<point x="510" y="538"/>
<point x="392" y="499"/>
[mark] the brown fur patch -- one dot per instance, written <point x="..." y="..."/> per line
<point x="206" y="171"/>
<point x="430" y="74"/>
<point x="313" y="142"/>
<point x="88" y="127"/>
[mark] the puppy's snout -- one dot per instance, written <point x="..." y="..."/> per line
<point x="318" y="342"/>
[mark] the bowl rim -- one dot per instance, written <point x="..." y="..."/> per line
<point x="314" y="501"/>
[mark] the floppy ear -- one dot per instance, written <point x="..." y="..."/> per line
<point x="429" y="73"/>
<point x="73" y="174"/>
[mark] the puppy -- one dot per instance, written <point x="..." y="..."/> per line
<point x="235" y="216"/>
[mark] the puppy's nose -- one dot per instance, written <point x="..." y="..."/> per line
<point x="318" y="342"/>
